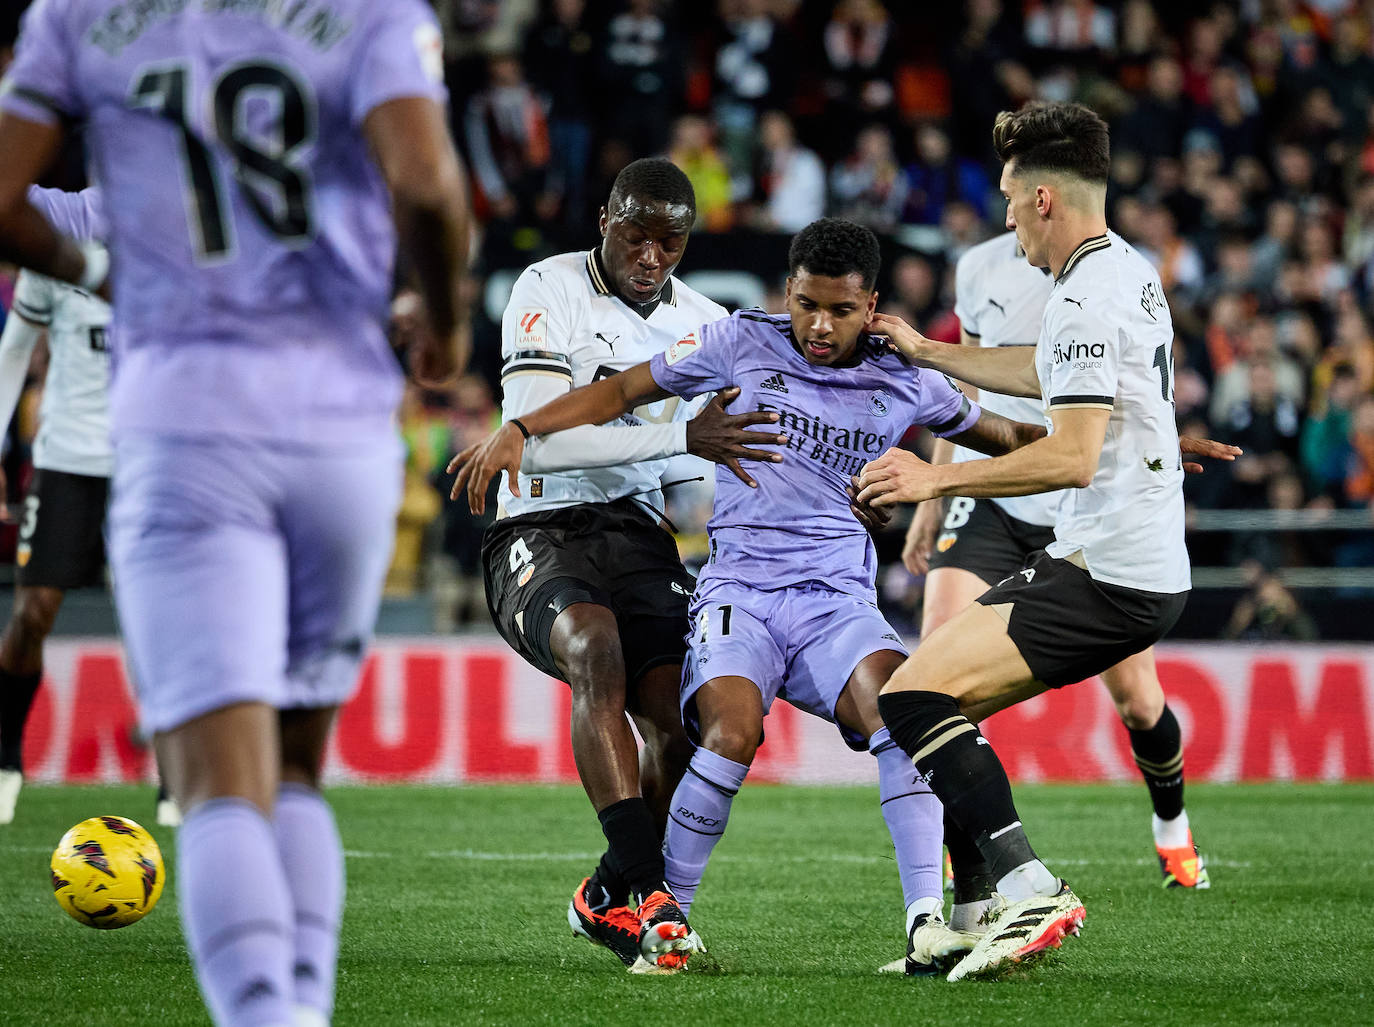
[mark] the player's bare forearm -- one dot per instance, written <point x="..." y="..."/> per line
<point x="504" y="449"/>
<point x="1009" y="370"/>
<point x="26" y="237"/>
<point x="996" y="435"/>
<point x="596" y="403"/>
<point x="1065" y="459"/>
<point x="429" y="191"/>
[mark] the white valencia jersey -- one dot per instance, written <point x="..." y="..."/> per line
<point x="564" y="322"/>
<point x="1106" y="343"/>
<point x="74" y="418"/>
<point x="1000" y="301"/>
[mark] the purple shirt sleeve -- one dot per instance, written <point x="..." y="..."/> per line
<point x="78" y="215"/>
<point x="402" y="56"/>
<point x="40" y="84"/>
<point x="698" y="363"/>
<point x="944" y="409"/>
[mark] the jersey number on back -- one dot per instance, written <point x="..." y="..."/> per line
<point x="273" y="181"/>
<point x="1163" y="359"/>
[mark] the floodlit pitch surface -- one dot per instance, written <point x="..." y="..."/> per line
<point x="457" y="900"/>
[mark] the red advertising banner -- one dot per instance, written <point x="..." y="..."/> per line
<point x="468" y="710"/>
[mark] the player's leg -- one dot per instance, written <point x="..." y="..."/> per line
<point x="656" y="707"/>
<point x="337" y="515"/>
<point x="312" y="857"/>
<point x="21" y="670"/>
<point x="734" y="670"/>
<point x="1157" y="747"/>
<point x="200" y="583"/>
<point x="729" y="714"/>
<point x="914" y="821"/>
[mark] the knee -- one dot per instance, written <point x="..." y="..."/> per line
<point x="737" y="740"/>
<point x="1138" y="703"/>
<point x="36" y="612"/>
<point x="591" y="655"/>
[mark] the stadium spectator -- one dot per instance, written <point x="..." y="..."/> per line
<point x="508" y="144"/>
<point x="860" y="63"/>
<point x="938" y="177"/>
<point x="641" y="75"/>
<point x="790" y="181"/>
<point x="693" y="150"/>
<point x="752" y="73"/>
<point x="560" y="62"/>
<point x="868" y="186"/>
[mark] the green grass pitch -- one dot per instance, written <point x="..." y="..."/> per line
<point x="457" y="898"/>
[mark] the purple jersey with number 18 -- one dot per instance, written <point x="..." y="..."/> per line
<point x="250" y="228"/>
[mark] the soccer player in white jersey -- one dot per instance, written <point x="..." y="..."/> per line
<point x="260" y="164"/>
<point x="61" y="541"/>
<point x="967" y="545"/>
<point x="582" y="577"/>
<point x="1117" y="575"/>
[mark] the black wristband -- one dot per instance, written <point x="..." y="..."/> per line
<point x="523" y="430"/>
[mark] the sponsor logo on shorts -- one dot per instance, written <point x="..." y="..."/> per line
<point x="23" y="554"/>
<point x="679" y="589"/>
<point x="946" y="541"/>
<point x="526" y="573"/>
<point x="879" y="403"/>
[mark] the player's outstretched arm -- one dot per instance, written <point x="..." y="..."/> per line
<point x="503" y="450"/>
<point x="410" y="140"/>
<point x="996" y="435"/>
<point x="26" y="236"/>
<point x="1067" y="458"/>
<point x="1009" y="370"/>
<point x="1189" y="446"/>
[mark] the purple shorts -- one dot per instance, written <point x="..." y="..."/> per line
<point x="800" y="644"/>
<point x="246" y="572"/>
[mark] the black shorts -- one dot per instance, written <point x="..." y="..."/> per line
<point x="978" y="536"/>
<point x="61" y="535"/>
<point x="1069" y="627"/>
<point x="612" y="554"/>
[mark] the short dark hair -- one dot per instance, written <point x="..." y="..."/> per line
<point x="834" y="248"/>
<point x="653" y="179"/>
<point x="1067" y="138"/>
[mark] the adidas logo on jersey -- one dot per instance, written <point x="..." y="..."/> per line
<point x="775" y="383"/>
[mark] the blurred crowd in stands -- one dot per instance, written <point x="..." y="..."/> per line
<point x="1243" y="166"/>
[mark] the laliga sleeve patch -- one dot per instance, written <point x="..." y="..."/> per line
<point x="534" y="323"/>
<point x="429" y="47"/>
<point x="684" y="347"/>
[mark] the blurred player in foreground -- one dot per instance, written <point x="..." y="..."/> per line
<point x="583" y="578"/>
<point x="1117" y="575"/>
<point x="786" y="605"/>
<point x="257" y="467"/>
<point x="967" y="545"/>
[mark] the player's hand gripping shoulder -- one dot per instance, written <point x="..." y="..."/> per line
<point x="502" y="450"/>
<point x="724" y="438"/>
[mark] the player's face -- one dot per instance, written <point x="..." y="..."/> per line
<point x="641" y="244"/>
<point x="828" y="314"/>
<point x="1023" y="216"/>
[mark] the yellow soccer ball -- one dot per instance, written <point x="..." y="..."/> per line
<point x="107" y="872"/>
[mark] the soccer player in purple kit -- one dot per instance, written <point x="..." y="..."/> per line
<point x="258" y="164"/>
<point x="785" y="607"/>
